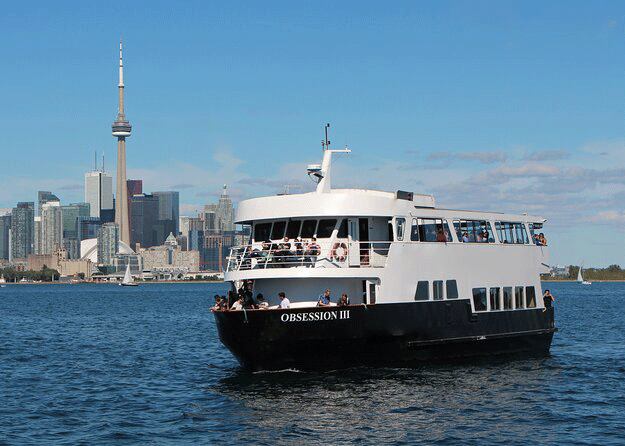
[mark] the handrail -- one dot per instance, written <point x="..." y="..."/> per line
<point x="339" y="254"/>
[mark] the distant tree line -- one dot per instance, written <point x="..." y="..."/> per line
<point x="44" y="275"/>
<point x="612" y="272"/>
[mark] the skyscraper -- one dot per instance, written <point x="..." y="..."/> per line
<point x="5" y="229"/>
<point x="108" y="243"/>
<point x="225" y="212"/>
<point x="51" y="227"/>
<point x="169" y="207"/>
<point x="99" y="194"/>
<point x="145" y="221"/>
<point x="121" y="130"/>
<point x="44" y="196"/>
<point x="22" y="230"/>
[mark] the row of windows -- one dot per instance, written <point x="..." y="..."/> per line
<point x="504" y="298"/>
<point x="467" y="231"/>
<point x="447" y="289"/>
<point x="298" y="228"/>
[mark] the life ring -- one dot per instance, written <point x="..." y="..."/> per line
<point x="335" y="255"/>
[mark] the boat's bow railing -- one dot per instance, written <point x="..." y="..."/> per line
<point x="340" y="254"/>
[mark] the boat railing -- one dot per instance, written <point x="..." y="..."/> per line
<point x="341" y="254"/>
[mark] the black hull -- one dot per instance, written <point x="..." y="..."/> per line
<point x="379" y="335"/>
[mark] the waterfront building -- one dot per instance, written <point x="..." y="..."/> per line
<point x="22" y="230"/>
<point x="169" y="261"/>
<point x="5" y="234"/>
<point x="108" y="241"/>
<point x="121" y="130"/>
<point x="51" y="227"/>
<point x="99" y="195"/>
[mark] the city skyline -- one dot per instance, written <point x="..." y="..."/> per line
<point x="515" y="108"/>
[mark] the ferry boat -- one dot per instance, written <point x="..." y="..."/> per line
<point x="424" y="283"/>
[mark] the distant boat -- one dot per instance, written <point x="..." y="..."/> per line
<point x="580" y="278"/>
<point x="2" y="279"/>
<point x="128" y="281"/>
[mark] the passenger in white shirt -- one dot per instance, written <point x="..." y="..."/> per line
<point x="284" y="302"/>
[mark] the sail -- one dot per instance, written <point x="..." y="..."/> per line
<point x="580" y="279"/>
<point x="127" y="276"/>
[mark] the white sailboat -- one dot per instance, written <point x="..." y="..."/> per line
<point x="128" y="281"/>
<point x="3" y="281"/>
<point x="580" y="278"/>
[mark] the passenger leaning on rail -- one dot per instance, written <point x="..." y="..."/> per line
<point x="324" y="299"/>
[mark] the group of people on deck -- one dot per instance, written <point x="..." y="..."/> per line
<point x="244" y="299"/>
<point x="540" y="240"/>
<point x="285" y="252"/>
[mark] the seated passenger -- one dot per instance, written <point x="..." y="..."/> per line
<point x="284" y="302"/>
<point x="324" y="299"/>
<point x="261" y="303"/>
<point x="238" y="304"/>
<point x="298" y="248"/>
<point x="217" y="302"/>
<point x="543" y="240"/>
<point x="313" y="249"/>
<point x="344" y="301"/>
<point x="465" y="237"/>
<point x="440" y="236"/>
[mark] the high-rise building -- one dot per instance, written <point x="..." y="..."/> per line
<point x="135" y="187"/>
<point x="169" y="207"/>
<point x="99" y="194"/>
<point x="87" y="228"/>
<point x="22" y="230"/>
<point x="71" y="213"/>
<point x="225" y="212"/>
<point x="121" y="130"/>
<point x="5" y="235"/>
<point x="145" y="221"/>
<point x="51" y="227"/>
<point x="108" y="243"/>
<point x="45" y="196"/>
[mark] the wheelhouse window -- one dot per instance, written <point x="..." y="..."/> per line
<point x="429" y="229"/>
<point x="479" y="299"/>
<point x="342" y="229"/>
<point x="262" y="231"/>
<point x="308" y="228"/>
<point x="292" y="228"/>
<point x="325" y="228"/>
<point x="422" y="291"/>
<point x="495" y="302"/>
<point x="511" y="232"/>
<point x="414" y="231"/>
<point x="277" y="232"/>
<point x="474" y="231"/>
<point x="400" y="224"/>
<point x="437" y="290"/>
<point x="452" y="289"/>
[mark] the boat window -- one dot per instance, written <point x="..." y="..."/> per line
<point x="511" y="232"/>
<point x="494" y="298"/>
<point x="400" y="223"/>
<point x="292" y="229"/>
<point x="479" y="231"/>
<point x="277" y="232"/>
<point x="308" y="228"/>
<point x="437" y="289"/>
<point x="262" y="231"/>
<point x="452" y="289"/>
<point x="414" y="231"/>
<point x="479" y="299"/>
<point x="518" y="297"/>
<point x="429" y="227"/>
<point x="422" y="291"/>
<point x="507" y="298"/>
<point x="342" y="229"/>
<point x="530" y="297"/>
<point x="325" y="228"/>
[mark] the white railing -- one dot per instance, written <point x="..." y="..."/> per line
<point x="341" y="254"/>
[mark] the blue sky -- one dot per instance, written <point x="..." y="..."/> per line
<point x="514" y="107"/>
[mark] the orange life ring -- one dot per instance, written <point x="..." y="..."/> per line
<point x="335" y="255"/>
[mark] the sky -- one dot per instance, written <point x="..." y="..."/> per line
<point x="515" y="107"/>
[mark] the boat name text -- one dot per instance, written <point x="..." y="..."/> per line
<point x="315" y="316"/>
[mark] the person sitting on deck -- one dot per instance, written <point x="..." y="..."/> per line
<point x="440" y="235"/>
<point x="284" y="302"/>
<point x="344" y="301"/>
<point x="238" y="305"/>
<point x="324" y="299"/>
<point x="261" y="303"/>
<point x="217" y="303"/>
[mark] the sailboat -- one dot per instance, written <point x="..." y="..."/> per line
<point x="128" y="281"/>
<point x="3" y="281"/>
<point x="580" y="278"/>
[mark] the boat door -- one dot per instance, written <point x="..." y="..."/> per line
<point x="370" y="291"/>
<point x="353" y="241"/>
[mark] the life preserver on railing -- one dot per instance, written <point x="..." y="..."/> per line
<point x="335" y="255"/>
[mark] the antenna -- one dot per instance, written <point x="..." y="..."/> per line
<point x="95" y="160"/>
<point x="326" y="142"/>
<point x="103" y="162"/>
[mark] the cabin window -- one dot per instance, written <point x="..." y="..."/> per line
<point x="414" y="231"/>
<point x="511" y="232"/>
<point x="473" y="231"/>
<point x="507" y="298"/>
<point x="325" y="228"/>
<point x="495" y="303"/>
<point x="292" y="228"/>
<point x="308" y="228"/>
<point x="342" y="229"/>
<point x="518" y="297"/>
<point x="452" y="289"/>
<point x="277" y="232"/>
<point x="530" y="297"/>
<point x="429" y="228"/>
<point x="437" y="290"/>
<point x="262" y="232"/>
<point x="479" y="299"/>
<point x="422" y="291"/>
<point x="400" y="223"/>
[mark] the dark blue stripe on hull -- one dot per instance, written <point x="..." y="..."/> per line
<point x="383" y="334"/>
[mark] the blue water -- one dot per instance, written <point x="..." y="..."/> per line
<point x="102" y="364"/>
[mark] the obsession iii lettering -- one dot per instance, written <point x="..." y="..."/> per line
<point x="315" y="316"/>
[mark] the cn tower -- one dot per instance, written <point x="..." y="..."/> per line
<point x="121" y="130"/>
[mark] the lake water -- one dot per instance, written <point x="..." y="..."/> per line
<point x="103" y="364"/>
